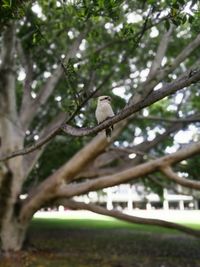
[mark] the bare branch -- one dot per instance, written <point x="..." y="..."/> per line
<point x="31" y="158"/>
<point x="147" y="87"/>
<point x="7" y="73"/>
<point x="155" y="96"/>
<point x="188" y="50"/>
<point x="51" y="82"/>
<point x="170" y="174"/>
<point x="129" y="174"/>
<point x="189" y="119"/>
<point x="28" y="66"/>
<point x="125" y="217"/>
<point x="47" y="89"/>
<point x="33" y="147"/>
<point x="138" y="35"/>
<point x="57" y="129"/>
<point x="47" y="189"/>
<point x="147" y="145"/>
<point x="140" y="150"/>
<point x="54" y="186"/>
<point x="177" y="188"/>
<point x="166" y="90"/>
<point x="162" y="48"/>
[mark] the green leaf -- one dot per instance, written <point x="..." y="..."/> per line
<point x="184" y="19"/>
<point x="150" y="2"/>
<point x="191" y="19"/>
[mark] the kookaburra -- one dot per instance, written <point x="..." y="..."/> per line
<point x="103" y="112"/>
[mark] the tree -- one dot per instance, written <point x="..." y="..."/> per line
<point x="56" y="58"/>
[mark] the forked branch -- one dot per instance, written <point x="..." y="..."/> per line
<point x="55" y="186"/>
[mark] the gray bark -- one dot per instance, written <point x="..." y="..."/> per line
<point x="12" y="175"/>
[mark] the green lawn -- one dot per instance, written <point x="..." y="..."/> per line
<point x="103" y="222"/>
<point x="106" y="242"/>
<point x="95" y="224"/>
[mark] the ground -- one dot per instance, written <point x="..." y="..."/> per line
<point x="95" y="243"/>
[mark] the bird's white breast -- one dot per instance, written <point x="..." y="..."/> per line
<point x="103" y="111"/>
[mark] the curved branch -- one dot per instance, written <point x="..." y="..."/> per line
<point x="180" y="180"/>
<point x="128" y="218"/>
<point x="33" y="147"/>
<point x="132" y="173"/>
<point x="55" y="186"/>
<point x="56" y="130"/>
<point x="166" y="90"/>
<point x="47" y="190"/>
<point x="31" y="158"/>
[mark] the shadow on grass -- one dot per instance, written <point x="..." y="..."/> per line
<point x="106" y="243"/>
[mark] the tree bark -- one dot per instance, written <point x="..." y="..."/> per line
<point x="12" y="173"/>
<point x="13" y="235"/>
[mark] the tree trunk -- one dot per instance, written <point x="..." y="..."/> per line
<point x="12" y="233"/>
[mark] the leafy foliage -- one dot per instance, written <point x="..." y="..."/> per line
<point x="121" y="41"/>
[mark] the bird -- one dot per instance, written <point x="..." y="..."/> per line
<point x="103" y="112"/>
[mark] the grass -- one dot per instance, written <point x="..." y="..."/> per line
<point x="103" y="222"/>
<point x="106" y="242"/>
<point x="96" y="224"/>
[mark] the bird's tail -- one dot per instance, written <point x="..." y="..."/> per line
<point x="109" y="133"/>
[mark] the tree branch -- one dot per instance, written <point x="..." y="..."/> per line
<point x="178" y="189"/>
<point x="155" y="96"/>
<point x="47" y="189"/>
<point x="31" y="158"/>
<point x="152" y="80"/>
<point x="129" y="174"/>
<point x="128" y="218"/>
<point x="170" y="174"/>
<point x="50" y="84"/>
<point x="166" y="90"/>
<point x="28" y="67"/>
<point x="8" y="73"/>
<point x="190" y="119"/>
<point x="162" y="48"/>
<point x="188" y="50"/>
<point x="137" y="36"/>
<point x="33" y="147"/>
<point x="55" y="185"/>
<point x="141" y="150"/>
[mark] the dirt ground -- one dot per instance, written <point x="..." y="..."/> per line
<point x="107" y="248"/>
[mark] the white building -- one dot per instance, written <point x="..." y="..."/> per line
<point x="129" y="197"/>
